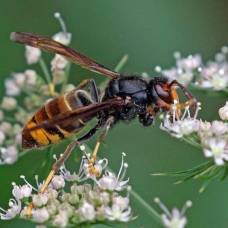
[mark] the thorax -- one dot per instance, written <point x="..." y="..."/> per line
<point x="132" y="86"/>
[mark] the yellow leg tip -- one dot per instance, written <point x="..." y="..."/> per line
<point x="51" y="88"/>
<point x="29" y="210"/>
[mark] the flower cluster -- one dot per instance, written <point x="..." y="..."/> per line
<point x="69" y="200"/>
<point x="27" y="91"/>
<point x="191" y="69"/>
<point x="212" y="137"/>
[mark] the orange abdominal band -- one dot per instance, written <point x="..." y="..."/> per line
<point x="38" y="134"/>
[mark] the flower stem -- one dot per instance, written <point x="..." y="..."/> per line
<point x="192" y="142"/>
<point x="150" y="209"/>
<point x="45" y="71"/>
<point x="121" y="63"/>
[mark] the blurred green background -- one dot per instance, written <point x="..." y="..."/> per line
<point x="149" y="31"/>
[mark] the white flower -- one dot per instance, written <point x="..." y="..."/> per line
<point x="58" y="62"/>
<point x="12" y="89"/>
<point x="204" y="126"/>
<point x="58" y="182"/>
<point x="217" y="148"/>
<point x="5" y="127"/>
<point x="109" y="181"/>
<point x="218" y="127"/>
<point x="32" y="54"/>
<point x="219" y="82"/>
<point x="189" y="126"/>
<point x="176" y="221"/>
<point x="175" y="218"/>
<point x="20" y="192"/>
<point x="61" y="219"/>
<point x="9" y="154"/>
<point x="171" y="74"/>
<point x="117" y="213"/>
<point x="63" y="38"/>
<point x="87" y="211"/>
<point x="19" y="79"/>
<point x="209" y="70"/>
<point x="52" y="193"/>
<point x="204" y="84"/>
<point x="185" y="78"/>
<point x="180" y="128"/>
<point x="40" y="199"/>
<point x="122" y="202"/>
<point x="12" y="212"/>
<point x="105" y="198"/>
<point x="31" y="77"/>
<point x="18" y="139"/>
<point x="223" y="112"/>
<point x="183" y="125"/>
<point x="40" y="215"/>
<point x="67" y="175"/>
<point x="9" y="103"/>
<point x="224" y="50"/>
<point x="189" y="63"/>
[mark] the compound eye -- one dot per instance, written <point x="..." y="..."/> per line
<point x="163" y="92"/>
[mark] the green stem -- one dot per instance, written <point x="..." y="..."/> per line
<point x="45" y="71"/>
<point x="118" y="67"/>
<point x="121" y="63"/>
<point x="191" y="142"/>
<point x="150" y="209"/>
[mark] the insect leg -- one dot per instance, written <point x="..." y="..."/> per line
<point x="56" y="166"/>
<point x="191" y="100"/>
<point x="101" y="138"/>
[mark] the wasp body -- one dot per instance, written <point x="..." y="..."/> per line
<point x="124" y="98"/>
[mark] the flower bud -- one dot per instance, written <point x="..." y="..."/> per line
<point x="58" y="182"/>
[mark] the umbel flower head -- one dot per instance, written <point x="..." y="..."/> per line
<point x="71" y="200"/>
<point x="191" y="70"/>
<point x="211" y="137"/>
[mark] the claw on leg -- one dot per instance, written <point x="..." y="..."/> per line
<point x="42" y="190"/>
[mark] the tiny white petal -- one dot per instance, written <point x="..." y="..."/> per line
<point x="32" y="54"/>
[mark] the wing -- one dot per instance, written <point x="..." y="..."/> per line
<point x="47" y="44"/>
<point x="86" y="111"/>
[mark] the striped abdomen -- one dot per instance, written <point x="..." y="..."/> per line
<point x="48" y="135"/>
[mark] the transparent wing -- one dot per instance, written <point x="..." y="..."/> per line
<point x="47" y="44"/>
